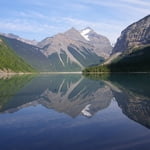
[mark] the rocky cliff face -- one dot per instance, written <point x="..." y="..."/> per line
<point x="135" y="35"/>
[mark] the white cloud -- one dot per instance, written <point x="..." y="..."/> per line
<point x="124" y="5"/>
<point x="32" y="14"/>
<point x="24" y="26"/>
<point x="137" y="2"/>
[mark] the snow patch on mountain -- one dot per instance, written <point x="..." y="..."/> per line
<point x="85" y="32"/>
<point x="60" y="58"/>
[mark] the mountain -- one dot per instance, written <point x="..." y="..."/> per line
<point x="131" y="52"/>
<point x="64" y="52"/>
<point x="134" y="36"/>
<point x="29" y="53"/>
<point x="69" y="51"/>
<point x="13" y="36"/>
<point x="10" y="61"/>
<point x="102" y="46"/>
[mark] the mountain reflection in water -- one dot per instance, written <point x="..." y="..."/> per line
<point x="75" y="112"/>
<point x="76" y="95"/>
<point x="70" y="94"/>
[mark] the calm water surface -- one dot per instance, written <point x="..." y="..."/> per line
<point x="71" y="112"/>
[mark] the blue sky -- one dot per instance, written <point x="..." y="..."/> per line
<point x="37" y="19"/>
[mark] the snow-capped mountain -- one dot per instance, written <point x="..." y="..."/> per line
<point x="69" y="51"/>
<point x="73" y="50"/>
<point x="102" y="46"/>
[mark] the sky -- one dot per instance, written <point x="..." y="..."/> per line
<point x="38" y="19"/>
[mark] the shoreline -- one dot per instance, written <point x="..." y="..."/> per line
<point x="92" y="73"/>
<point x="40" y="72"/>
<point x="59" y="73"/>
<point x="115" y="72"/>
<point x="4" y="75"/>
<point x="23" y="73"/>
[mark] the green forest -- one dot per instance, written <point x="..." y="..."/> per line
<point x="9" y="61"/>
<point x="137" y="61"/>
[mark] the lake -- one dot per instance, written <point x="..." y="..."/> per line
<point x="73" y="112"/>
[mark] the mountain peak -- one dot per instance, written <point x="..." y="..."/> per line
<point x="74" y="34"/>
<point x="71" y="30"/>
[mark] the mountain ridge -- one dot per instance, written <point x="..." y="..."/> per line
<point x="70" y="47"/>
<point x="13" y="36"/>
